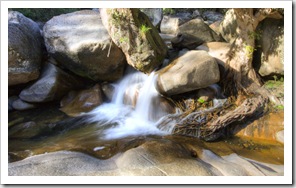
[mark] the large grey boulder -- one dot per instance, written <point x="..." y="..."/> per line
<point x="271" y="47"/>
<point x="132" y="31"/>
<point x="228" y="26"/>
<point x="24" y="49"/>
<point x="218" y="50"/>
<point x="170" y="23"/>
<point x="53" y="84"/>
<point x="80" y="43"/>
<point x="200" y="30"/>
<point x="191" y="71"/>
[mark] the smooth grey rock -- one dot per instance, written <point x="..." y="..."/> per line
<point x="53" y="84"/>
<point x="25" y="49"/>
<point x="193" y="70"/>
<point x="80" y="43"/>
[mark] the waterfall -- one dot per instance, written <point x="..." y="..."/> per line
<point x="131" y="111"/>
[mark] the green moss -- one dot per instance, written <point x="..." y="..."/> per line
<point x="144" y="29"/>
<point x="272" y="84"/>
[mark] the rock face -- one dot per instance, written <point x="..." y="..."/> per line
<point x="271" y="53"/>
<point x="193" y="70"/>
<point x="199" y="30"/>
<point x="228" y="27"/>
<point x="77" y="102"/>
<point x="154" y="14"/>
<point x="218" y="50"/>
<point x="153" y="158"/>
<point x="53" y="84"/>
<point x="24" y="49"/>
<point x="132" y="31"/>
<point x="170" y="23"/>
<point x="80" y="43"/>
<point x="186" y="41"/>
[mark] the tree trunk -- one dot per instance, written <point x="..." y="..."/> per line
<point x="242" y="81"/>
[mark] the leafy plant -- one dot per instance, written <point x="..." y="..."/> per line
<point x="168" y="11"/>
<point x="123" y="40"/>
<point x="200" y="100"/>
<point x="250" y="50"/>
<point x="144" y="29"/>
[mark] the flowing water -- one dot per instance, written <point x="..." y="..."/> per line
<point x="132" y="118"/>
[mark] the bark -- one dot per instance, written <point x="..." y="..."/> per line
<point x="241" y="83"/>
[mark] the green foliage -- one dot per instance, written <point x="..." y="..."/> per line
<point x="116" y="17"/>
<point x="123" y="40"/>
<point x="144" y="29"/>
<point x="250" y="50"/>
<point x="271" y="84"/>
<point x="43" y="14"/>
<point x="200" y="100"/>
<point x="255" y="35"/>
<point x="280" y="107"/>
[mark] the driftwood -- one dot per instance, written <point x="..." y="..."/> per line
<point x="209" y="124"/>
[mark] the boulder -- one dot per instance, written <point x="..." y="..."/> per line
<point x="132" y="31"/>
<point x="193" y="70"/>
<point x="52" y="85"/>
<point x="218" y="50"/>
<point x="212" y="16"/>
<point x="77" y="102"/>
<point x="22" y="105"/>
<point x="198" y="29"/>
<point x="154" y="14"/>
<point x="186" y="41"/>
<point x="170" y="23"/>
<point x="10" y="102"/>
<point x="271" y="47"/>
<point x="80" y="43"/>
<point x="228" y="27"/>
<point x="108" y="90"/>
<point x="25" y="49"/>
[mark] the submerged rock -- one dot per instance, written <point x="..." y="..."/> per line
<point x="25" y="49"/>
<point x="53" y="84"/>
<point x="80" y="43"/>
<point x="132" y="31"/>
<point x="77" y="102"/>
<point x="193" y="70"/>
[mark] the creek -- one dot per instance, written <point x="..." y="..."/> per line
<point x="132" y="118"/>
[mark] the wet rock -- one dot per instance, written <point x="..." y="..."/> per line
<point x="167" y="39"/>
<point x="170" y="23"/>
<point x="198" y="29"/>
<point x="132" y="31"/>
<point x="80" y="43"/>
<point x="25" y="49"/>
<point x="154" y="14"/>
<point x="10" y="102"/>
<point x="22" y="105"/>
<point x="53" y="84"/>
<point x="271" y="47"/>
<point x="77" y="102"/>
<point x="265" y="128"/>
<point x="194" y="70"/>
<point x="25" y="130"/>
<point x="108" y="90"/>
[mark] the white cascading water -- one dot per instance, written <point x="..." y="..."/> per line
<point x="131" y="111"/>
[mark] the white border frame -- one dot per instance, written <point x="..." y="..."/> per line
<point x="286" y="179"/>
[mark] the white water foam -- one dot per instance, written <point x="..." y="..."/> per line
<point x="130" y="110"/>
